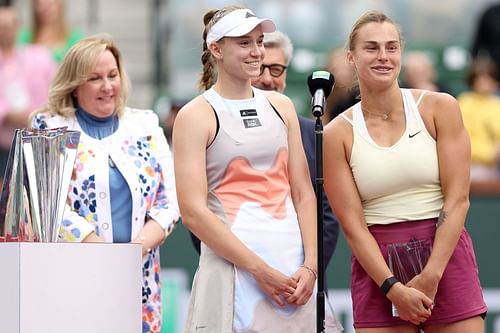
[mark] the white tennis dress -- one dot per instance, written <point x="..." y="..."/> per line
<point x="249" y="190"/>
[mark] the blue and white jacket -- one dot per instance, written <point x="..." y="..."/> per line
<point x="141" y="153"/>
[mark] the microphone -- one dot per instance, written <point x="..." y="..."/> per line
<point x="320" y="86"/>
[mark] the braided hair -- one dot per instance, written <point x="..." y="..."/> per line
<point x="208" y="75"/>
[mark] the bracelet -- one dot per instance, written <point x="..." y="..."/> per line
<point x="310" y="270"/>
<point x="387" y="284"/>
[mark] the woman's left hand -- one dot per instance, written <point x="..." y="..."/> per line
<point x="305" y="286"/>
<point x="150" y="236"/>
<point x="425" y="283"/>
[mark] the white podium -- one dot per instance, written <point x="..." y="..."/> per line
<point x="70" y="288"/>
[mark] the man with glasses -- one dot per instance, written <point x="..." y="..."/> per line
<point x="279" y="51"/>
<point x="273" y="71"/>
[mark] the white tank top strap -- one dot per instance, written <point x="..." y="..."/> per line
<point x="359" y="123"/>
<point x="346" y="118"/>
<point x="213" y="99"/>
<point x="420" y="97"/>
<point x="412" y="111"/>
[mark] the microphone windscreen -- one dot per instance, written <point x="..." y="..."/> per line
<point x="321" y="80"/>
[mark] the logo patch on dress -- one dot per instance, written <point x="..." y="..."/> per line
<point x="252" y="122"/>
<point x="248" y="113"/>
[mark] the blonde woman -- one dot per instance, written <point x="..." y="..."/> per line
<point x="123" y="188"/>
<point x="397" y="172"/>
<point x="50" y="29"/>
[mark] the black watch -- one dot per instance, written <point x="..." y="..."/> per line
<point x="387" y="284"/>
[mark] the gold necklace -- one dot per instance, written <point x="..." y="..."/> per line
<point x="384" y="116"/>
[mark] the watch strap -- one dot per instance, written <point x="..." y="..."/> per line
<point x="387" y="284"/>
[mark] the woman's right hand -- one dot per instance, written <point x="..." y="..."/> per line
<point x="275" y="284"/>
<point x="412" y="304"/>
<point x="93" y="238"/>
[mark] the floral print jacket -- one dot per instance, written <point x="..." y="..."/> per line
<point x="139" y="149"/>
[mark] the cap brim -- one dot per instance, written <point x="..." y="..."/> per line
<point x="250" y="24"/>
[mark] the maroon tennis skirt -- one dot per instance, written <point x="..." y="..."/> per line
<point x="459" y="294"/>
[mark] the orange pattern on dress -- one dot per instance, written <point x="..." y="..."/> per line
<point x="243" y="183"/>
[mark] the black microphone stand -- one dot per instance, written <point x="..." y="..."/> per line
<point x="320" y="85"/>
<point x="320" y="296"/>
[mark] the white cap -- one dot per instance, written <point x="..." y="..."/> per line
<point x="238" y="23"/>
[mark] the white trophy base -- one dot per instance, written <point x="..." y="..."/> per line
<point x="70" y="287"/>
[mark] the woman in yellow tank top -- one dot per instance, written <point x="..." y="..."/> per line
<point x="396" y="197"/>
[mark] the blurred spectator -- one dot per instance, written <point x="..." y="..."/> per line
<point x="49" y="28"/>
<point x="419" y="72"/>
<point x="25" y="75"/>
<point x="345" y="92"/>
<point x="485" y="43"/>
<point x="169" y="118"/>
<point x="481" y="113"/>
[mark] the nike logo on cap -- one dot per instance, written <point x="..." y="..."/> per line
<point x="412" y="135"/>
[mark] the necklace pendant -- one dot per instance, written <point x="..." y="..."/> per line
<point x="385" y="116"/>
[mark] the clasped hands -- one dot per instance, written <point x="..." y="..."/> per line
<point x="414" y="301"/>
<point x="282" y="289"/>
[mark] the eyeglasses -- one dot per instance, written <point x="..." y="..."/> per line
<point x="276" y="70"/>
